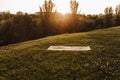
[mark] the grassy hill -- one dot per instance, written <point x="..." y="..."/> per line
<point x="31" y="61"/>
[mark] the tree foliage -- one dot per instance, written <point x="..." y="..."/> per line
<point x="74" y="6"/>
<point x="22" y="27"/>
<point x="47" y="13"/>
<point x="108" y="17"/>
<point x="117" y="11"/>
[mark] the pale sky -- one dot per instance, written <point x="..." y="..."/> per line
<point x="32" y="6"/>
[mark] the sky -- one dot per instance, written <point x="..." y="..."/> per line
<point x="32" y="6"/>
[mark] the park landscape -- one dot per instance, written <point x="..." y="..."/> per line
<point x="25" y="38"/>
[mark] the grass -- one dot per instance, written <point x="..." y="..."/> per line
<point x="31" y="61"/>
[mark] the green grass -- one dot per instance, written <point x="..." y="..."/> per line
<point x="31" y="61"/>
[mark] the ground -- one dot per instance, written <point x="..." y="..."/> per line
<point x="31" y="61"/>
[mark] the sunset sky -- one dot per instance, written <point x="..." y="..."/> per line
<point x="32" y="6"/>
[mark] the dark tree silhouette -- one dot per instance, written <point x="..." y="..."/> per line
<point x="74" y="6"/>
<point x="108" y="16"/>
<point x="47" y="14"/>
<point x="117" y="11"/>
<point x="22" y="27"/>
<point x="73" y="17"/>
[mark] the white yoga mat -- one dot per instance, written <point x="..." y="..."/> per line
<point x="69" y="48"/>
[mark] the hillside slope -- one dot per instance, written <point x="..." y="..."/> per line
<point x="31" y="61"/>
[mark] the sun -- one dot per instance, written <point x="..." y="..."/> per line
<point x="62" y="6"/>
<point x="63" y="11"/>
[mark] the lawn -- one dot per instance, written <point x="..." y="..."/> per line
<point x="31" y="61"/>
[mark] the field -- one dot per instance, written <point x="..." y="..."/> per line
<point x="31" y="61"/>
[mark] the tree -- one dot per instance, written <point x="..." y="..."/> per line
<point x="73" y="17"/>
<point x="47" y="13"/>
<point x="108" y="17"/>
<point x="74" y="6"/>
<point x="117" y="11"/>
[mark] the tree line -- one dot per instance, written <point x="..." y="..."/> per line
<point x="22" y="27"/>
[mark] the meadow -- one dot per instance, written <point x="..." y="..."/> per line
<point x="31" y="61"/>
